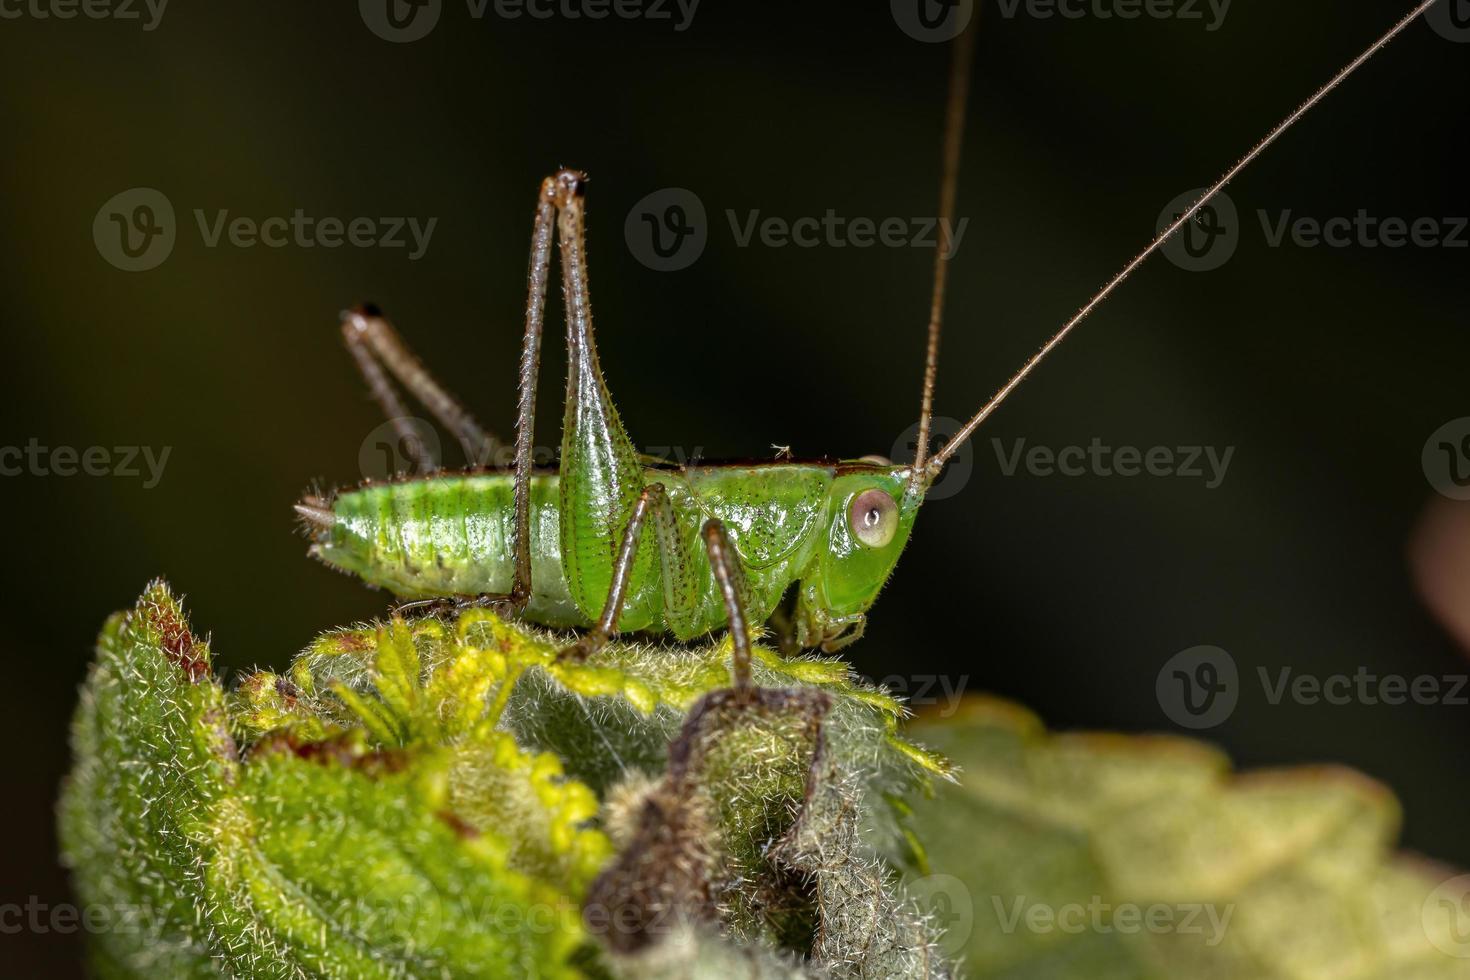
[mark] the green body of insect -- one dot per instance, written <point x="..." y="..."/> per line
<point x="793" y="523"/>
<point x="609" y="542"/>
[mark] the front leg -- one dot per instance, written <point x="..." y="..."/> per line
<point x="675" y="568"/>
<point x="607" y="624"/>
<point x="681" y="594"/>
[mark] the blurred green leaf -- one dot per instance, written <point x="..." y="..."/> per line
<point x="1144" y="858"/>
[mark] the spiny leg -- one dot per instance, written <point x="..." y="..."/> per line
<point x="504" y="604"/>
<point x="601" y="474"/>
<point x="731" y="583"/>
<point x="441" y="606"/>
<point x="607" y="624"/>
<point x="542" y="229"/>
<point x="662" y="873"/>
<point x="374" y="346"/>
<point x="539" y="264"/>
<point x="598" y="461"/>
<point x="448" y="606"/>
<point x="387" y="398"/>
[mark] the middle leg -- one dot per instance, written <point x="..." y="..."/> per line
<point x="681" y="593"/>
<point x="731" y="582"/>
<point x="652" y="496"/>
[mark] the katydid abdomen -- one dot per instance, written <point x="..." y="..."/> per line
<point x="447" y="536"/>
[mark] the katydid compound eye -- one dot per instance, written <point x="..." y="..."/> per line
<point x="873" y="517"/>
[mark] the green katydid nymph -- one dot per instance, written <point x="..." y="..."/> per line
<point x="611" y="541"/>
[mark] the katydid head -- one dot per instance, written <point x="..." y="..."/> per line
<point x="869" y="514"/>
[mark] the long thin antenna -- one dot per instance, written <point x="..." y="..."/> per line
<point x="954" y="137"/>
<point x="941" y="457"/>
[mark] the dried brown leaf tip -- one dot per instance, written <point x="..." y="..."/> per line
<point x="691" y="859"/>
<point x="163" y="614"/>
<point x="664" y="878"/>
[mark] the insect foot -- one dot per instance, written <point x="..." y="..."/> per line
<point x="486" y="799"/>
<point x="585" y="647"/>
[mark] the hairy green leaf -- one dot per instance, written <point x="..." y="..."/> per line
<point x="325" y="857"/>
<point x="430" y="798"/>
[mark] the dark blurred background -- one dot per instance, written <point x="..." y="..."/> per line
<point x="1326" y="368"/>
